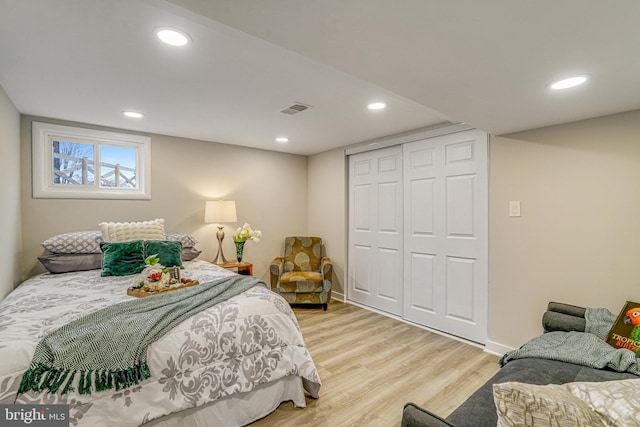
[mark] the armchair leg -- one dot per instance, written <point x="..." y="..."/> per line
<point x="324" y="306"/>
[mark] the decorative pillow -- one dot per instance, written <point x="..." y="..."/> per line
<point x="190" y="253"/>
<point x="127" y="231"/>
<point x="520" y="404"/>
<point x="169" y="252"/>
<point x="617" y="402"/>
<point x="65" y="263"/>
<point x="79" y="242"/>
<point x="122" y="258"/>
<point x="187" y="240"/>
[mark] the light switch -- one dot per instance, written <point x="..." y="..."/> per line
<point x="514" y="209"/>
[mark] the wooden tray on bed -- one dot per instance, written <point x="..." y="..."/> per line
<point x="141" y="293"/>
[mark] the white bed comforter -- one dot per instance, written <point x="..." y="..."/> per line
<point x="251" y="339"/>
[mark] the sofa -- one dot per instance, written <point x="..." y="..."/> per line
<point x="480" y="410"/>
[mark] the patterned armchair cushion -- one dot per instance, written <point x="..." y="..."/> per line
<point x="302" y="253"/>
<point x="301" y="281"/>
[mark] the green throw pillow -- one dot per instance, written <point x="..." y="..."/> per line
<point x="122" y="258"/>
<point x="169" y="251"/>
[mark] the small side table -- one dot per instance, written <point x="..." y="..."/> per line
<point x="242" y="267"/>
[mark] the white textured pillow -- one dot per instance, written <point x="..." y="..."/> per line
<point x="618" y="402"/>
<point x="126" y="231"/>
<point x="520" y="404"/>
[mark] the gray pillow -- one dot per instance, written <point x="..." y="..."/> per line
<point x="77" y="242"/>
<point x="187" y="240"/>
<point x="190" y="253"/>
<point x="65" y="263"/>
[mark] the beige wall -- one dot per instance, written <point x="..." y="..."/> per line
<point x="10" y="225"/>
<point x="328" y="211"/>
<point x="578" y="239"/>
<point x="270" y="190"/>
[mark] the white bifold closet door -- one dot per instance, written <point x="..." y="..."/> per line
<point x="445" y="233"/>
<point x="375" y="229"/>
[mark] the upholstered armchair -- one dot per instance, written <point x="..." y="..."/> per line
<point x="302" y="275"/>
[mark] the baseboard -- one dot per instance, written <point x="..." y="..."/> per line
<point x="338" y="296"/>
<point x="496" y="348"/>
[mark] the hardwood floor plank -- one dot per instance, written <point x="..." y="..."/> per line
<point x="371" y="365"/>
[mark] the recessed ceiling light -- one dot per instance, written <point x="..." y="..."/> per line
<point x="282" y="139"/>
<point x="133" y="114"/>
<point x="570" y="82"/>
<point x="172" y="36"/>
<point x="376" y="106"/>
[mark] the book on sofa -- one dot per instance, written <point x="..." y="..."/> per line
<point x="625" y="332"/>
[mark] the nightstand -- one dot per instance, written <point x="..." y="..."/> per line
<point x="243" y="267"/>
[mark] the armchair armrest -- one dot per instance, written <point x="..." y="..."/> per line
<point x="326" y="268"/>
<point x="275" y="269"/>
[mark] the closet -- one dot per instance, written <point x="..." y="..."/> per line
<point x="418" y="231"/>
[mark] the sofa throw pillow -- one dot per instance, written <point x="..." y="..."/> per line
<point x="617" y="402"/>
<point x="169" y="252"/>
<point x="78" y="242"/>
<point x="127" y="231"/>
<point x="520" y="404"/>
<point x="122" y="258"/>
<point x="66" y="263"/>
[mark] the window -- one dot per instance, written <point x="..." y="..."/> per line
<point x="78" y="163"/>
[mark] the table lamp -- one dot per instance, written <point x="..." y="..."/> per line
<point x="217" y="212"/>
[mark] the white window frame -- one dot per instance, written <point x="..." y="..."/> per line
<point x="42" y="137"/>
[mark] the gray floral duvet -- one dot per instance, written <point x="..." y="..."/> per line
<point x="233" y="347"/>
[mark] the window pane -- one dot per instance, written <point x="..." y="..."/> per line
<point x="73" y="163"/>
<point x="118" y="167"/>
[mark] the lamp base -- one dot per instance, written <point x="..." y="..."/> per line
<point x="220" y="259"/>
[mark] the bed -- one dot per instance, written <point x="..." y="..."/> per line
<point x="228" y="365"/>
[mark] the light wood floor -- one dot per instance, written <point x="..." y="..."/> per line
<point x="371" y="365"/>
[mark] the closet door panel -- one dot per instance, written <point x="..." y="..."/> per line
<point x="361" y="264"/>
<point x="454" y="297"/>
<point x="460" y="289"/>
<point x="375" y="228"/>
<point x="421" y="282"/>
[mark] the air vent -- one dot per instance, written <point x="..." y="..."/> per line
<point x="295" y="108"/>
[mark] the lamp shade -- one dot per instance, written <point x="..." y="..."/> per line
<point x="220" y="211"/>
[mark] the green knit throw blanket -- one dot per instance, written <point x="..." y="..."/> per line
<point x="108" y="348"/>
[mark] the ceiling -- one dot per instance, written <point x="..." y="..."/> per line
<point x="486" y="63"/>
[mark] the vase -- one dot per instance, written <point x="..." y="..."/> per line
<point x="239" y="250"/>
